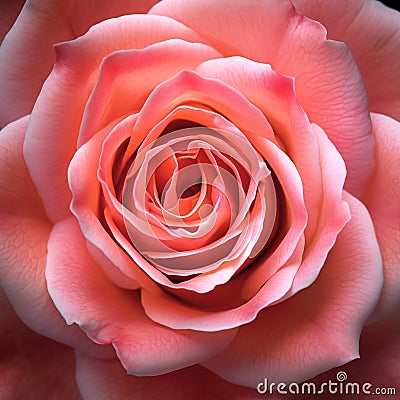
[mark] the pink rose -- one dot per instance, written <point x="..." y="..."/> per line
<point x="198" y="197"/>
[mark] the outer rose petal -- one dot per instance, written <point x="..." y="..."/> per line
<point x="27" y="55"/>
<point x="372" y="31"/>
<point x="107" y="380"/>
<point x="298" y="338"/>
<point x="382" y="200"/>
<point x="379" y="350"/>
<point x="24" y="232"/>
<point x="68" y="88"/>
<point x="328" y="83"/>
<point x="109" y="314"/>
<point x="32" y="366"/>
<point x="126" y="78"/>
<point x="379" y="362"/>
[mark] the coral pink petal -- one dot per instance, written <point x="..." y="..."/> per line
<point x="86" y="191"/>
<point x="382" y="200"/>
<point x="126" y="79"/>
<point x="328" y="83"/>
<point x="27" y="55"/>
<point x="219" y="22"/>
<point x="109" y="314"/>
<point x="379" y="363"/>
<point x="105" y="380"/>
<point x="178" y="315"/>
<point x="333" y="212"/>
<point x="372" y="32"/>
<point x="24" y="231"/>
<point x="68" y="88"/>
<point x="32" y="366"/>
<point x="298" y="338"/>
<point x="190" y="87"/>
<point x="295" y="219"/>
<point x="275" y="96"/>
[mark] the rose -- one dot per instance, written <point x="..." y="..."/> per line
<point x="335" y="264"/>
<point x="97" y="303"/>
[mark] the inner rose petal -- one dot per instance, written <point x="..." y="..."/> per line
<point x="149" y="233"/>
<point x="116" y="148"/>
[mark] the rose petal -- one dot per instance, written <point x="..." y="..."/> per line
<point x="188" y="87"/>
<point x="333" y="212"/>
<point x="275" y="96"/>
<point x="24" y="232"/>
<point x="166" y="310"/>
<point x="328" y="83"/>
<point x="219" y="22"/>
<point x="300" y="337"/>
<point x="107" y="380"/>
<point x="27" y="54"/>
<point x="378" y="364"/>
<point x="126" y="78"/>
<point x="32" y="366"/>
<point x="109" y="314"/>
<point x="382" y="200"/>
<point x="372" y="32"/>
<point x="68" y="88"/>
<point x="86" y="192"/>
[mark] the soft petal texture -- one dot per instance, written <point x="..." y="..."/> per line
<point x="379" y="362"/>
<point x="176" y="314"/>
<point x="24" y="231"/>
<point x="109" y="314"/>
<point x="382" y="200"/>
<point x="82" y="15"/>
<point x="372" y="32"/>
<point x="29" y="46"/>
<point x="98" y="380"/>
<point x="126" y="78"/>
<point x="86" y="191"/>
<point x="379" y="352"/>
<point x="328" y="83"/>
<point x="27" y="55"/>
<point x="320" y="166"/>
<point x="296" y="339"/>
<point x="31" y="366"/>
<point x="68" y="88"/>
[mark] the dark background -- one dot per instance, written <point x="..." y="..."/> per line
<point x="392" y="4"/>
